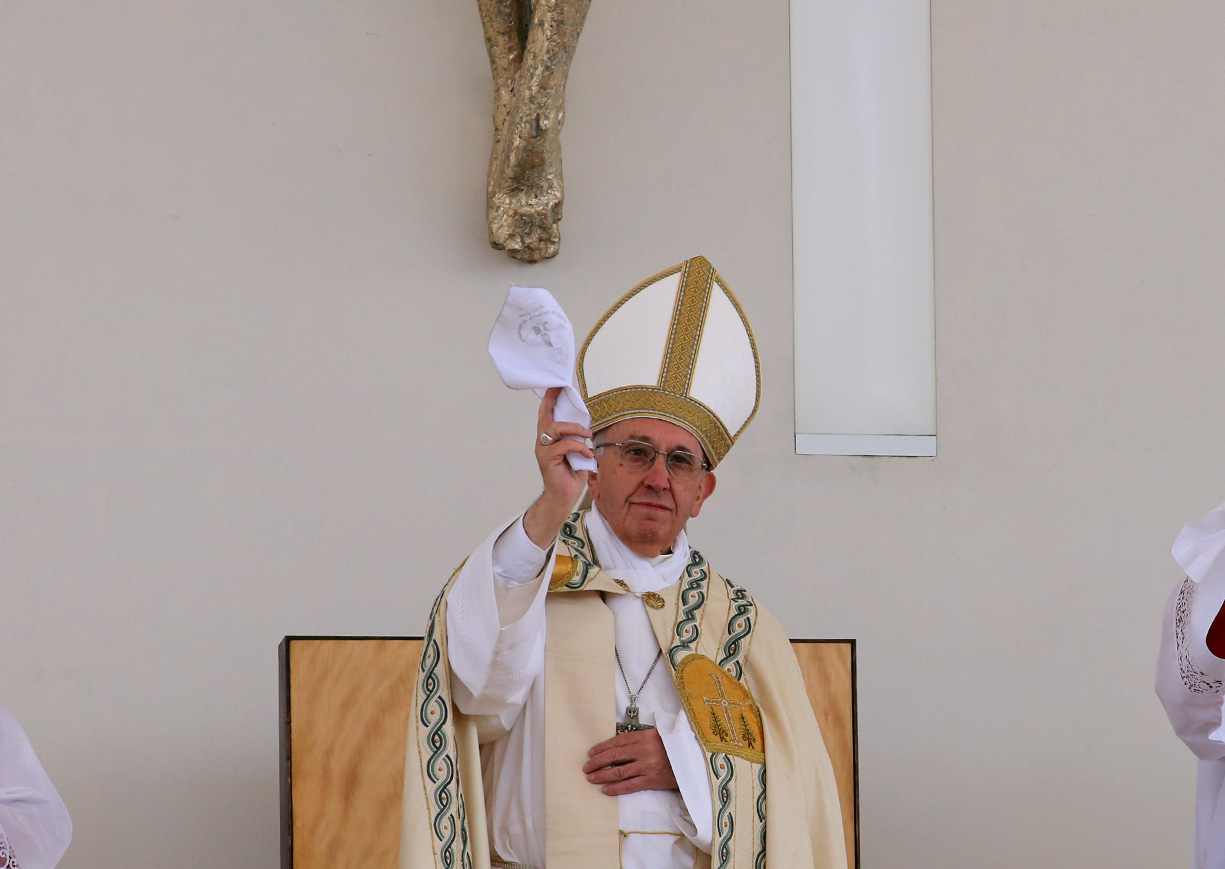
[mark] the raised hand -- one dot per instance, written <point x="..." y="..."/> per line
<point x="562" y="484"/>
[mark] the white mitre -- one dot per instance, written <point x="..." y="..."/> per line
<point x="677" y="347"/>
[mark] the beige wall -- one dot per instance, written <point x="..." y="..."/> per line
<point x="244" y="294"/>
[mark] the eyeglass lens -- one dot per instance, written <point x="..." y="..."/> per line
<point x="680" y="464"/>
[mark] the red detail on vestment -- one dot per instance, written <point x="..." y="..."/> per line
<point x="1216" y="635"/>
<point x="8" y="860"/>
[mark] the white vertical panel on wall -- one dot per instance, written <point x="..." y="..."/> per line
<point x="865" y="380"/>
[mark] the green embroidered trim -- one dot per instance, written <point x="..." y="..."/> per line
<point x="739" y="630"/>
<point x="692" y="598"/>
<point x="725" y="824"/>
<point x="575" y="537"/>
<point x="450" y="816"/>
<point x="760" y="861"/>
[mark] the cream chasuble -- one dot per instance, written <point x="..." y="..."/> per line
<point x="740" y="708"/>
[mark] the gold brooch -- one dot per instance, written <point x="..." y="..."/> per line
<point x="650" y="598"/>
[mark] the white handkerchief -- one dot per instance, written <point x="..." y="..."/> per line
<point x="1218" y="735"/>
<point x="1200" y="544"/>
<point x="532" y="346"/>
<point x="13" y="796"/>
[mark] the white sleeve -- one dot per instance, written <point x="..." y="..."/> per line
<point x="32" y="815"/>
<point x="1192" y="697"/>
<point x="688" y="762"/>
<point x="496" y="630"/>
<point x="516" y="559"/>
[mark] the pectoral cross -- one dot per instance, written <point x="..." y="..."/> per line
<point x="631" y="721"/>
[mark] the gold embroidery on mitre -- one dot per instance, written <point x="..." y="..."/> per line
<point x="688" y="318"/>
<point x="721" y="710"/>
<point x="687" y="412"/>
<point x="565" y="569"/>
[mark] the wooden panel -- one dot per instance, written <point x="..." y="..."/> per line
<point x="345" y="705"/>
<point x="348" y="716"/>
<point x="829" y="674"/>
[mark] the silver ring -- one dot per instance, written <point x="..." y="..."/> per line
<point x="545" y="439"/>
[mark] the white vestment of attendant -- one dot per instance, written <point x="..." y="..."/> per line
<point x="496" y="624"/>
<point x="33" y="821"/>
<point x="1191" y="680"/>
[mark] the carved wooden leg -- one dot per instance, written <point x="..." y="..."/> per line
<point x="524" y="192"/>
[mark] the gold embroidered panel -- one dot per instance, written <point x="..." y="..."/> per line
<point x="721" y="709"/>
<point x="565" y="569"/>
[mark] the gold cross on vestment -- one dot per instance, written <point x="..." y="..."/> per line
<point x="721" y="702"/>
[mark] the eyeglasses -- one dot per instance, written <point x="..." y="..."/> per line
<point x="683" y="466"/>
